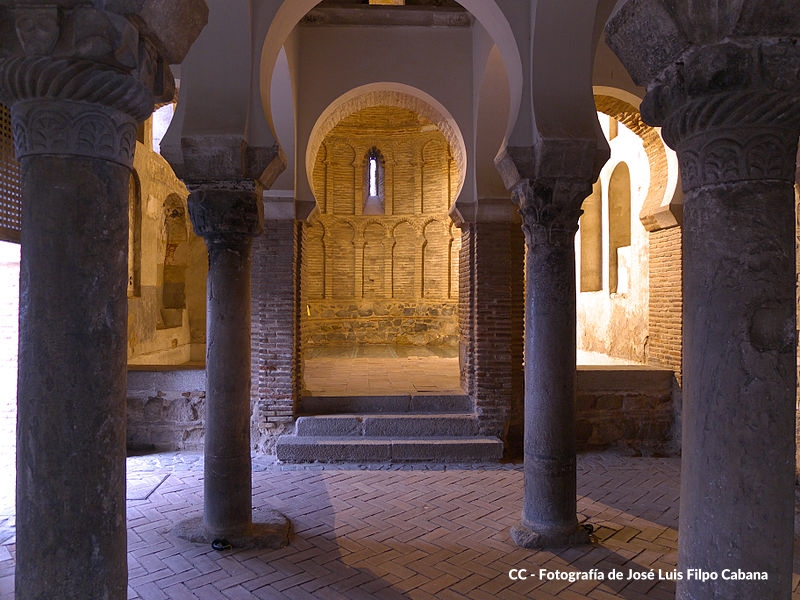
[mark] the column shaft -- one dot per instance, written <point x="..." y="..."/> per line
<point x="550" y="478"/>
<point x="71" y="528"/>
<point x="550" y="212"/>
<point x="228" y="219"/>
<point x="227" y="484"/>
<point x="737" y="479"/>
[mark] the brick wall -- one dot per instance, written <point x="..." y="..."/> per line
<point x="466" y="314"/>
<point x="666" y="300"/>
<point x="275" y="375"/>
<point x="498" y="328"/>
<point x="379" y="269"/>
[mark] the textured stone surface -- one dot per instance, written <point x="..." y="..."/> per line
<point x="739" y="371"/>
<point x="166" y="410"/>
<point x="550" y="219"/>
<point x="77" y="79"/>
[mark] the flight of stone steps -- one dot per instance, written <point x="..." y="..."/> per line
<point x="376" y="429"/>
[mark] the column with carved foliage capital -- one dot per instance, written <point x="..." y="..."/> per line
<point x="228" y="216"/>
<point x="550" y="209"/>
<point x="731" y="111"/>
<point x="723" y="81"/>
<point x="77" y="78"/>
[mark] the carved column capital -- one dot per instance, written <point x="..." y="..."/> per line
<point x="78" y="78"/>
<point x="227" y="217"/>
<point x="731" y="110"/>
<point x="550" y="209"/>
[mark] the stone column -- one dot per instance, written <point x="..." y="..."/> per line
<point x="737" y="157"/>
<point x="550" y="212"/>
<point x="228" y="219"/>
<point x="77" y="81"/>
<point x="730" y="107"/>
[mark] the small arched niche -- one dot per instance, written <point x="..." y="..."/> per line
<point x="619" y="228"/>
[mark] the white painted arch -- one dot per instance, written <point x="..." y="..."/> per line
<point x="487" y="12"/>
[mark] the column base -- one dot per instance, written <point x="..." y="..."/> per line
<point x="269" y="529"/>
<point x="525" y="537"/>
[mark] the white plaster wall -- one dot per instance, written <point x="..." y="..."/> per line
<point x="615" y="324"/>
<point x="148" y="342"/>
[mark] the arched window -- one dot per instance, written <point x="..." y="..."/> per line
<point x="619" y="229"/>
<point x="373" y="184"/>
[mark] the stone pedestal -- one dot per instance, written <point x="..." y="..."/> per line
<point x="77" y="80"/>
<point x="550" y="215"/>
<point x="228" y="220"/>
<point x="728" y="102"/>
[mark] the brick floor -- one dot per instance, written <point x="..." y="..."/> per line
<point x="397" y="531"/>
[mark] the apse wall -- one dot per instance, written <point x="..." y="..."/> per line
<point x="380" y="265"/>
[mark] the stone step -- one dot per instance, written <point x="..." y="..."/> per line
<point x="405" y="403"/>
<point x="306" y="449"/>
<point x="402" y="425"/>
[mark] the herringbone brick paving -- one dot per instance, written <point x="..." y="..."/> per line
<point x="397" y="531"/>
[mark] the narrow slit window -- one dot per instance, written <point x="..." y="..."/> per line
<point x="373" y="176"/>
<point x="374" y="184"/>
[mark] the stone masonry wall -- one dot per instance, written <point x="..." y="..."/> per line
<point x="166" y="409"/>
<point x="275" y="376"/>
<point x="629" y="407"/>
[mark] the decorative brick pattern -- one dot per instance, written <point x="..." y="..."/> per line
<point x="379" y="269"/>
<point x="273" y="354"/>
<point x="466" y="300"/>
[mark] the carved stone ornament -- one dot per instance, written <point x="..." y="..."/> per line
<point x="550" y="209"/>
<point x="224" y="216"/>
<point x="65" y="127"/>
<point x="736" y="136"/>
<point x="77" y="79"/>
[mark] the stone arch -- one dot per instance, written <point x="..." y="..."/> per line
<point x="374" y="263"/>
<point x="435" y="188"/>
<point x="435" y="263"/>
<point x="342" y="260"/>
<point x="374" y="199"/>
<point x="313" y="260"/>
<point x="405" y="251"/>
<point x="486" y="12"/>
<point x="340" y="179"/>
